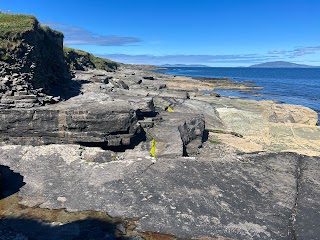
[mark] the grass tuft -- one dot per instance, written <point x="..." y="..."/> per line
<point x="216" y="131"/>
<point x="215" y="142"/>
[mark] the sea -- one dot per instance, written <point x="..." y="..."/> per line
<point x="299" y="86"/>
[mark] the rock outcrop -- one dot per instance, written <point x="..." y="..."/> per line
<point x="85" y="119"/>
<point x="31" y="61"/>
<point x="81" y="60"/>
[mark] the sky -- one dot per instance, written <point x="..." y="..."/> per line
<point x="218" y="33"/>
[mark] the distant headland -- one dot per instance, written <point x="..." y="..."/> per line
<point x="281" y="64"/>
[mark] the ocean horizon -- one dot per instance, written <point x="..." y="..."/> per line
<point x="298" y="86"/>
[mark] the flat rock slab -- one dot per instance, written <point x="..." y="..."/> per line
<point x="307" y="211"/>
<point x="235" y="197"/>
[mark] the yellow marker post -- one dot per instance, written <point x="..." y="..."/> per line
<point x="153" y="148"/>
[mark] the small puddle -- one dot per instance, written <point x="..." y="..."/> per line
<point x="39" y="223"/>
<point x="18" y="221"/>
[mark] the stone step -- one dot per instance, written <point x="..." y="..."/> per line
<point x="24" y="105"/>
<point x="22" y="97"/>
<point x="6" y="100"/>
<point x="167" y="141"/>
<point x="178" y="135"/>
<point x="25" y="100"/>
<point x="21" y="93"/>
<point x="6" y="106"/>
<point x="146" y="123"/>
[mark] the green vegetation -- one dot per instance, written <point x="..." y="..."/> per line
<point x="216" y="131"/>
<point x="214" y="141"/>
<point x="5" y="57"/>
<point x="77" y="59"/>
<point x="12" y="26"/>
<point x="49" y="30"/>
<point x="8" y="47"/>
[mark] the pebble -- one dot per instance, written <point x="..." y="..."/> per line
<point x="61" y="199"/>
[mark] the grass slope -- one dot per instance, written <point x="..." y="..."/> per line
<point x="16" y="23"/>
<point x="13" y="26"/>
<point x="77" y="58"/>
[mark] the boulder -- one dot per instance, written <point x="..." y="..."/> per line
<point x="178" y="134"/>
<point x="191" y="133"/>
<point x="213" y="94"/>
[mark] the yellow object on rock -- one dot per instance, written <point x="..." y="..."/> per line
<point x="153" y="148"/>
<point x="169" y="109"/>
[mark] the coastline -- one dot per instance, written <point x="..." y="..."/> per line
<point x="207" y="83"/>
<point x="272" y="123"/>
<point x="246" y="89"/>
<point x="94" y="149"/>
<point x="246" y="146"/>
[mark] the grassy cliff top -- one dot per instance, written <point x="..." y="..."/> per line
<point x="14" y="25"/>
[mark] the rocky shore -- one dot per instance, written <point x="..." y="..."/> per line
<point x="135" y="154"/>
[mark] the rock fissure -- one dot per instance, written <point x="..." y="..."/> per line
<point x="293" y="217"/>
<point x="147" y="168"/>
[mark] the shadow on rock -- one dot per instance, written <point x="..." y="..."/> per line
<point x="70" y="89"/>
<point x="85" y="229"/>
<point x="205" y="135"/>
<point x="10" y="182"/>
<point x="135" y="141"/>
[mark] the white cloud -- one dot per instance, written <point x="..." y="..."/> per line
<point x="188" y="59"/>
<point x="79" y="36"/>
<point x="298" y="52"/>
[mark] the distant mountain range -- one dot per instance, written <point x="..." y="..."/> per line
<point x="281" y="64"/>
<point x="182" y="65"/>
<point x="275" y="64"/>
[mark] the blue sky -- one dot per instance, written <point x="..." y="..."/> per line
<point x="211" y="32"/>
